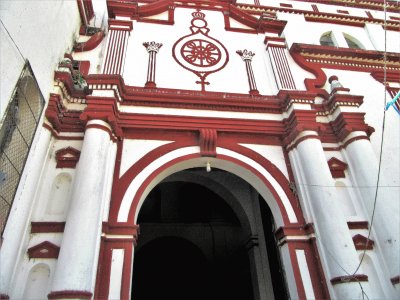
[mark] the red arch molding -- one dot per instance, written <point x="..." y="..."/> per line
<point x="121" y="185"/>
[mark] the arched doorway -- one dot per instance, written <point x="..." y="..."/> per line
<point x="199" y="240"/>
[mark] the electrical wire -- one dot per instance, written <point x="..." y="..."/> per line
<point x="20" y="53"/>
<point x="382" y="139"/>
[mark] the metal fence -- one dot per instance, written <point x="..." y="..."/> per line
<point x="17" y="129"/>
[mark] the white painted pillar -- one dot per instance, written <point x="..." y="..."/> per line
<point x="15" y="235"/>
<point x="333" y="237"/>
<point x="77" y="261"/>
<point x="363" y="167"/>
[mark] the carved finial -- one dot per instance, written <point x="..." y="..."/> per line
<point x="245" y="54"/>
<point x="336" y="86"/>
<point x="152" y="46"/>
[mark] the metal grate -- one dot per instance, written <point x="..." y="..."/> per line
<point x="17" y="130"/>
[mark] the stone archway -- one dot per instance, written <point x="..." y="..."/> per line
<point x="188" y="227"/>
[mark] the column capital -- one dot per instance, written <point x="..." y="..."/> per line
<point x="102" y="109"/>
<point x="152" y="46"/>
<point x="245" y="54"/>
<point x="124" y="25"/>
<point x="348" y="122"/>
<point x="300" y="124"/>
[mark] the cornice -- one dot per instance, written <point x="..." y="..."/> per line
<point x="141" y="12"/>
<point x="366" y="4"/>
<point x="175" y="98"/>
<point x="347" y="58"/>
<point x="313" y="16"/>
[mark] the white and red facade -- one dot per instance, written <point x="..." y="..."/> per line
<point x="243" y="87"/>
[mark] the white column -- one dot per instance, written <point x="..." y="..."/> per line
<point x="333" y="237"/>
<point x="16" y="231"/>
<point x="363" y="167"/>
<point x="77" y="261"/>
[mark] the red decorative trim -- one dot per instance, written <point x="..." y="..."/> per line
<point x="285" y="5"/>
<point x="395" y="280"/>
<point x="314" y="267"/>
<point x="337" y="167"/>
<point x="47" y="227"/>
<point x="337" y="99"/>
<point x="117" y="42"/>
<point x="315" y="8"/>
<point x="340" y="11"/>
<point x="125" y="229"/>
<point x="298" y="121"/>
<point x="312" y="85"/>
<point x="60" y="118"/>
<point x="56" y="135"/>
<point x="70" y="295"/>
<point x="91" y="43"/>
<point x="208" y="142"/>
<point x="162" y="97"/>
<point x="67" y="157"/>
<point x="354" y="139"/>
<point x="284" y="74"/>
<point x="294" y="230"/>
<point x="120" y="24"/>
<point x="369" y="4"/>
<point x="104" y="267"/>
<point x="347" y="122"/>
<point x="44" y="250"/>
<point x="105" y="109"/>
<point x="357" y="225"/>
<point x="104" y="128"/>
<point x="316" y="57"/>
<point x="349" y="278"/>
<point x="88" y="9"/>
<point x="322" y="17"/>
<point x="363" y="243"/>
<point x="261" y="25"/>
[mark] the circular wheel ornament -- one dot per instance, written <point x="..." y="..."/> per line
<point x="201" y="53"/>
<point x="198" y="52"/>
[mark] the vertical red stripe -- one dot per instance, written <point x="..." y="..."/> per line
<point x="124" y="33"/>
<point x="117" y="52"/>
<point x="109" y="52"/>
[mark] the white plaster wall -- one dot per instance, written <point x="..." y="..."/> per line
<point x="298" y="30"/>
<point x="373" y="106"/>
<point x="232" y="78"/>
<point x="133" y="150"/>
<point x="50" y="205"/>
<point x="273" y="153"/>
<point x="9" y="76"/>
<point x="42" y="40"/>
<point x="21" y="284"/>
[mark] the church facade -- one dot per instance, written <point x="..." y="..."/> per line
<point x="200" y="149"/>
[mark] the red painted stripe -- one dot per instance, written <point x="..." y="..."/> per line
<point x="109" y="47"/>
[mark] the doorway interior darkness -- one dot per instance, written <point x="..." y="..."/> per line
<point x="194" y="245"/>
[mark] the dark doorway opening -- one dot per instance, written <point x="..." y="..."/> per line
<point x="194" y="245"/>
<point x="191" y="246"/>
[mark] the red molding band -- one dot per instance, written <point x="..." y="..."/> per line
<point x="349" y="278"/>
<point x="69" y="295"/>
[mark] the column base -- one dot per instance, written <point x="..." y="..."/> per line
<point x="81" y="295"/>
<point x="150" y="85"/>
<point x="254" y="93"/>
